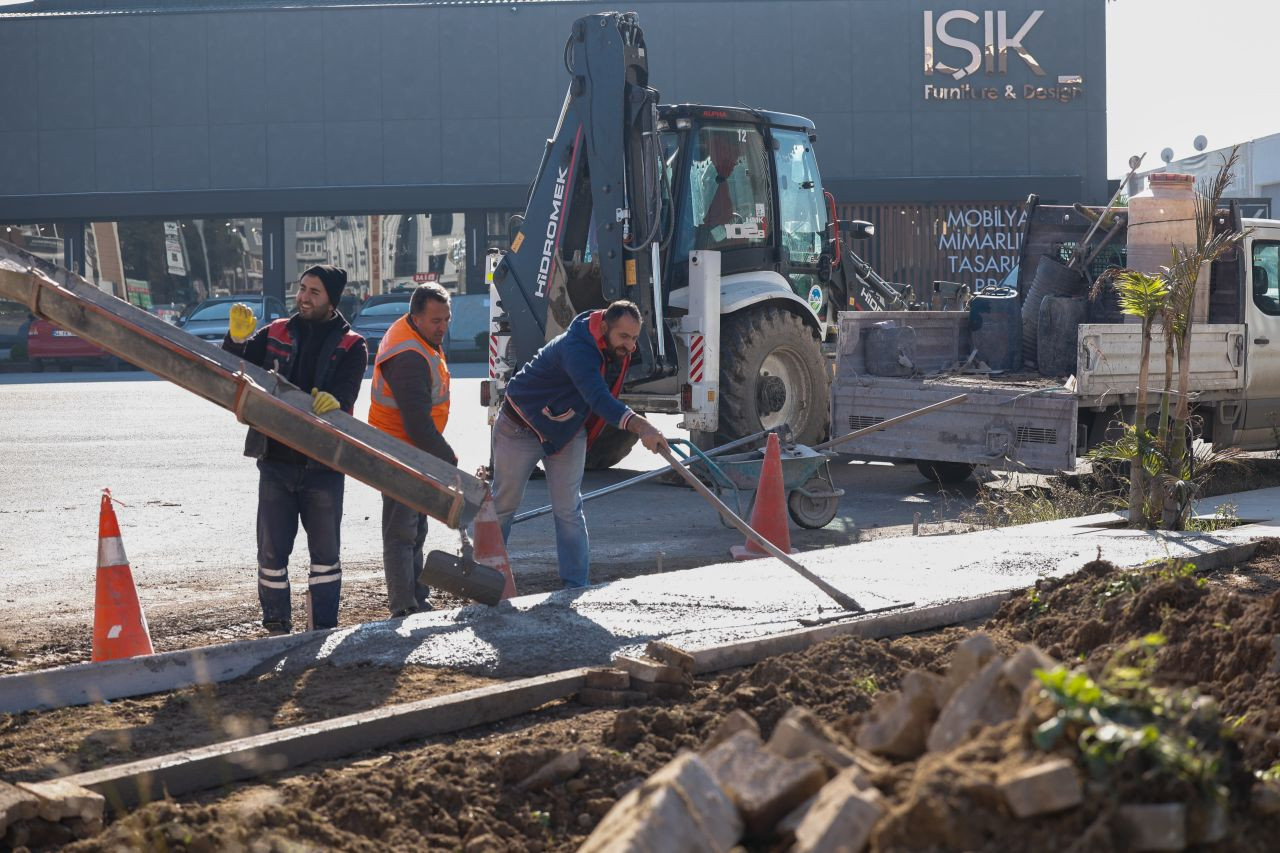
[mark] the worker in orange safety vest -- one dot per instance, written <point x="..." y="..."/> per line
<point x="411" y="402"/>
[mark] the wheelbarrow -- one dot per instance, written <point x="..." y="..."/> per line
<point x="812" y="497"/>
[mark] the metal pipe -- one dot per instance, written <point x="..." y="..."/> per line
<point x="933" y="407"/>
<point x="845" y="601"/>
<point x="617" y="487"/>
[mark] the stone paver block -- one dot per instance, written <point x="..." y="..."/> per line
<point x="970" y="656"/>
<point x="902" y="720"/>
<point x="562" y="767"/>
<point x="59" y="800"/>
<point x="16" y="804"/>
<point x="662" y="689"/>
<point x="609" y="679"/>
<point x="649" y="671"/>
<point x="841" y="818"/>
<point x="791" y="739"/>
<point x="735" y="721"/>
<point x="1154" y="827"/>
<point x="764" y="786"/>
<point x="964" y="709"/>
<point x="670" y="655"/>
<point x="681" y="807"/>
<point x="597" y="698"/>
<point x="1019" y="670"/>
<point x="1044" y="788"/>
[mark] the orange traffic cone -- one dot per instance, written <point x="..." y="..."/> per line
<point x="769" y="513"/>
<point x="489" y="549"/>
<point x="119" y="627"/>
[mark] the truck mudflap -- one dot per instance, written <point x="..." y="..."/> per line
<point x="1004" y="429"/>
<point x="258" y="397"/>
<point x="1109" y="355"/>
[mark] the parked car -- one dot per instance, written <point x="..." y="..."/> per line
<point x="376" y="316"/>
<point x="211" y="318"/>
<point x="469" y="329"/>
<point x="49" y="347"/>
<point x="170" y="312"/>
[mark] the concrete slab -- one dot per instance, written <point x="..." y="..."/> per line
<point x="716" y="605"/>
<point x="728" y="610"/>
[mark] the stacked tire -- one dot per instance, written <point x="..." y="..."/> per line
<point x="1052" y="278"/>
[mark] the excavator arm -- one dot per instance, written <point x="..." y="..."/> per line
<point x="595" y="208"/>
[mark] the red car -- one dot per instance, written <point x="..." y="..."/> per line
<point x="48" y="346"/>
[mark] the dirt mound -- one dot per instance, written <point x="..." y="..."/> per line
<point x="463" y="792"/>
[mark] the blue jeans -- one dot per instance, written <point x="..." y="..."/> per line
<point x="287" y="493"/>
<point x="516" y="451"/>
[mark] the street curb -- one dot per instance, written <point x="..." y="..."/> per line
<point x="85" y="683"/>
<point x="127" y="785"/>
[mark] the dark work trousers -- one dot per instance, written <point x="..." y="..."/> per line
<point x="287" y="493"/>
<point x="404" y="530"/>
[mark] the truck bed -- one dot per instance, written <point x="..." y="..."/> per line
<point x="1019" y="420"/>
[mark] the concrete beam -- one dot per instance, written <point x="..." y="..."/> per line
<point x="932" y="617"/>
<point x="84" y="683"/>
<point x="127" y="785"/>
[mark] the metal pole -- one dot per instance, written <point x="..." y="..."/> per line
<point x="933" y="407"/>
<point x="845" y="601"/>
<point x="617" y="487"/>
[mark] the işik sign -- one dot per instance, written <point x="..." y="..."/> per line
<point x="991" y="56"/>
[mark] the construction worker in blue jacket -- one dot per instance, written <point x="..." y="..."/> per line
<point x="554" y="406"/>
<point x="316" y="350"/>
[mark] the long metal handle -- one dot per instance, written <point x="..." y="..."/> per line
<point x="640" y="478"/>
<point x="933" y="407"/>
<point x="845" y="601"/>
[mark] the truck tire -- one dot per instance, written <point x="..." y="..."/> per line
<point x="944" y="473"/>
<point x="610" y="448"/>
<point x="772" y="372"/>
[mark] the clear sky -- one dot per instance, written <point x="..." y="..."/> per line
<point x="1180" y="68"/>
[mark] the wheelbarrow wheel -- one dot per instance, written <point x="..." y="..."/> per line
<point x="812" y="513"/>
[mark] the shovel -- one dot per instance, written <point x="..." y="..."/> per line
<point x="461" y="575"/>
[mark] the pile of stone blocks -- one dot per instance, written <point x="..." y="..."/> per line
<point x="662" y="672"/>
<point x="803" y="786"/>
<point x="47" y="814"/>
<point x="808" y="790"/>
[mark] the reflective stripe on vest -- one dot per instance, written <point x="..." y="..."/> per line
<point x="384" y="411"/>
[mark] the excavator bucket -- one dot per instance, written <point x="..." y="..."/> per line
<point x="258" y="397"/>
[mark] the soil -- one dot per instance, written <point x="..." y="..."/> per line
<point x="459" y="792"/>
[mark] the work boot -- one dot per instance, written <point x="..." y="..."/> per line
<point x="276" y="629"/>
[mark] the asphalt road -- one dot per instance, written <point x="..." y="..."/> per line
<point x="188" y="500"/>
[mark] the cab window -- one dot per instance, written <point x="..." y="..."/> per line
<point x="1266" y="277"/>
<point x="802" y="213"/>
<point x="727" y="200"/>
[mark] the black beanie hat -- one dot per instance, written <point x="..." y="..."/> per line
<point x="333" y="278"/>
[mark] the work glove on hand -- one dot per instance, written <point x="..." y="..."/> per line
<point x="242" y="322"/>
<point x="322" y="402"/>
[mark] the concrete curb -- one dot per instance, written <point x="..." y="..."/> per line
<point x="931" y="617"/>
<point x="140" y="782"/>
<point x="84" y="683"/>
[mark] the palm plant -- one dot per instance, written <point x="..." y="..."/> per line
<point x="1161" y="469"/>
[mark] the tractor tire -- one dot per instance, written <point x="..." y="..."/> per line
<point x="610" y="448"/>
<point x="772" y="372"/>
<point x="944" y="473"/>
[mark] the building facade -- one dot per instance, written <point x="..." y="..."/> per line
<point x="398" y="137"/>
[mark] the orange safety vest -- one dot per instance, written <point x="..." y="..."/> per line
<point x="384" y="412"/>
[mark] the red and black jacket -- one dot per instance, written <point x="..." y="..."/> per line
<point x="339" y="367"/>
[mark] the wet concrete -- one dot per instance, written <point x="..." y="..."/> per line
<point x="723" y="603"/>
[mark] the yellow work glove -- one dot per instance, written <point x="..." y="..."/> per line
<point x="242" y="322"/>
<point x="322" y="402"/>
